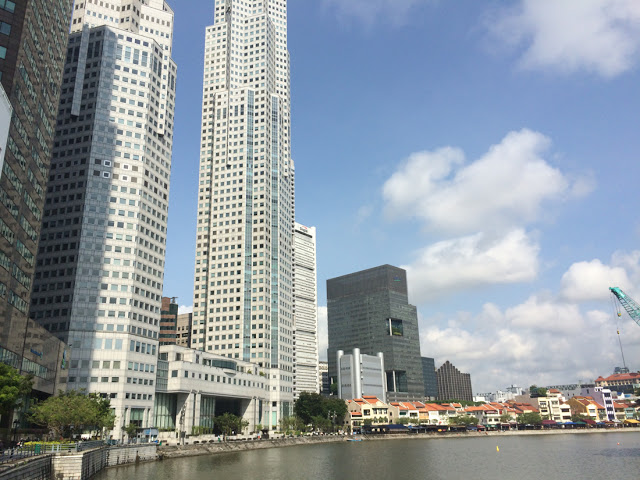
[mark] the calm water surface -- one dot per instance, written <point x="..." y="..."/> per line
<point x="550" y="457"/>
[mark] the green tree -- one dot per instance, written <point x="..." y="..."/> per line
<point x="530" y="419"/>
<point x="227" y="423"/>
<point x="542" y="392"/>
<point x="636" y="392"/>
<point x="336" y="408"/>
<point x="578" y="417"/>
<point x="13" y="388"/>
<point x="309" y="405"/>
<point x="73" y="410"/>
<point x="131" y="430"/>
<point x="463" y="420"/>
<point x="505" y="418"/>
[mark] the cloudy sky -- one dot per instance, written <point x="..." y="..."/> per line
<point x="487" y="147"/>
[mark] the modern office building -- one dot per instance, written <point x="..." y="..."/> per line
<point x="305" y="299"/>
<point x="243" y="292"/>
<point x="429" y="378"/>
<point x="183" y="329"/>
<point x="168" y="322"/>
<point x="453" y="385"/>
<point x="370" y="310"/>
<point x="100" y="266"/>
<point x="6" y="112"/>
<point x="361" y="375"/>
<point x="323" y="378"/>
<point x="33" y="39"/>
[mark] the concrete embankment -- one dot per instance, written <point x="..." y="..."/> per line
<point x="241" y="446"/>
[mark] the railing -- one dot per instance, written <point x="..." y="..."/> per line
<point x="17" y="453"/>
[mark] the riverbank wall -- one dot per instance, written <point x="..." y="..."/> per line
<point x="77" y="466"/>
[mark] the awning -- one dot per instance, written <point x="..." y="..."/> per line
<point x="631" y="420"/>
<point x="588" y="421"/>
<point x="549" y="422"/>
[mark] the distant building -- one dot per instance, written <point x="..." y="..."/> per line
<point x="168" y="322"/>
<point x="621" y="382"/>
<point x="452" y="384"/>
<point x="305" y="314"/>
<point x="323" y="378"/>
<point x="183" y="329"/>
<point x="370" y="310"/>
<point x="429" y="378"/>
<point x="360" y="375"/>
<point x="618" y="370"/>
<point x="602" y="396"/>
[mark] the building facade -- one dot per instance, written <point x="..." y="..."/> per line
<point x="305" y="295"/>
<point x="453" y="385"/>
<point x="360" y="375"/>
<point x="100" y="265"/>
<point x="183" y="329"/>
<point x="33" y="39"/>
<point x="243" y="285"/>
<point x="429" y="378"/>
<point x="369" y="310"/>
<point x="324" y="381"/>
<point x="168" y="322"/>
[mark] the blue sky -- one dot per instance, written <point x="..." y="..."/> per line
<point x="488" y="147"/>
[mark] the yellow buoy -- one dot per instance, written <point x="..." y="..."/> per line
<point x="497" y="448"/>
<point x="619" y="314"/>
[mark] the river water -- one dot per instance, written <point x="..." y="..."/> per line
<point x="536" y="457"/>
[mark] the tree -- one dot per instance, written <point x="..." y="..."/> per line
<point x="531" y="418"/>
<point x="542" y="392"/>
<point x="463" y="420"/>
<point x="309" y="405"/>
<point x="73" y="410"/>
<point x="636" y="392"/>
<point x="227" y="423"/>
<point x="505" y="418"/>
<point x="578" y="417"/>
<point x="13" y="388"/>
<point x="131" y="430"/>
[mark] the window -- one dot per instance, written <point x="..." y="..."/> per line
<point x="3" y="52"/>
<point x="8" y="5"/>
<point x="394" y="327"/>
<point x="5" y="28"/>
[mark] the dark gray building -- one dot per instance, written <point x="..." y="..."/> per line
<point x="452" y="384"/>
<point x="33" y="40"/>
<point x="429" y="378"/>
<point x="370" y="310"/>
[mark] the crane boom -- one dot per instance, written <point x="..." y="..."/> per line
<point x="632" y="308"/>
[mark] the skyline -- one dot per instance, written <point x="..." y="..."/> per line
<point x="446" y="99"/>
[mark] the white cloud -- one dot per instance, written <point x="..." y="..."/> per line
<point x="470" y="262"/>
<point x="506" y="187"/>
<point x="590" y="281"/>
<point x="370" y="12"/>
<point x="323" y="333"/>
<point x="599" y="36"/>
<point x="546" y="339"/>
<point x="185" y="309"/>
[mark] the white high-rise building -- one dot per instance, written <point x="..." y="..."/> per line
<point x="100" y="267"/>
<point x="243" y="288"/>
<point x="305" y="287"/>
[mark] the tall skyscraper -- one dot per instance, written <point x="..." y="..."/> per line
<point x="100" y="264"/>
<point x="305" y="288"/>
<point x="429" y="378"/>
<point x="168" y="322"/>
<point x="33" y="39"/>
<point x="452" y="384"/>
<point x="370" y="310"/>
<point x="243" y="292"/>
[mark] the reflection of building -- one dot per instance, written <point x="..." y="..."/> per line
<point x="183" y="329"/>
<point x="360" y="375"/>
<point x="370" y="310"/>
<point x="305" y="294"/>
<point x="453" y="385"/>
<point x="429" y="378"/>
<point x="193" y="387"/>
<point x="101" y="258"/>
<point x="168" y="322"/>
<point x="31" y="58"/>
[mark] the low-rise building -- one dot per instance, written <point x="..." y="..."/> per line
<point x="369" y="410"/>
<point x="193" y="387"/>
<point x="403" y="412"/>
<point x="620" y="382"/>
